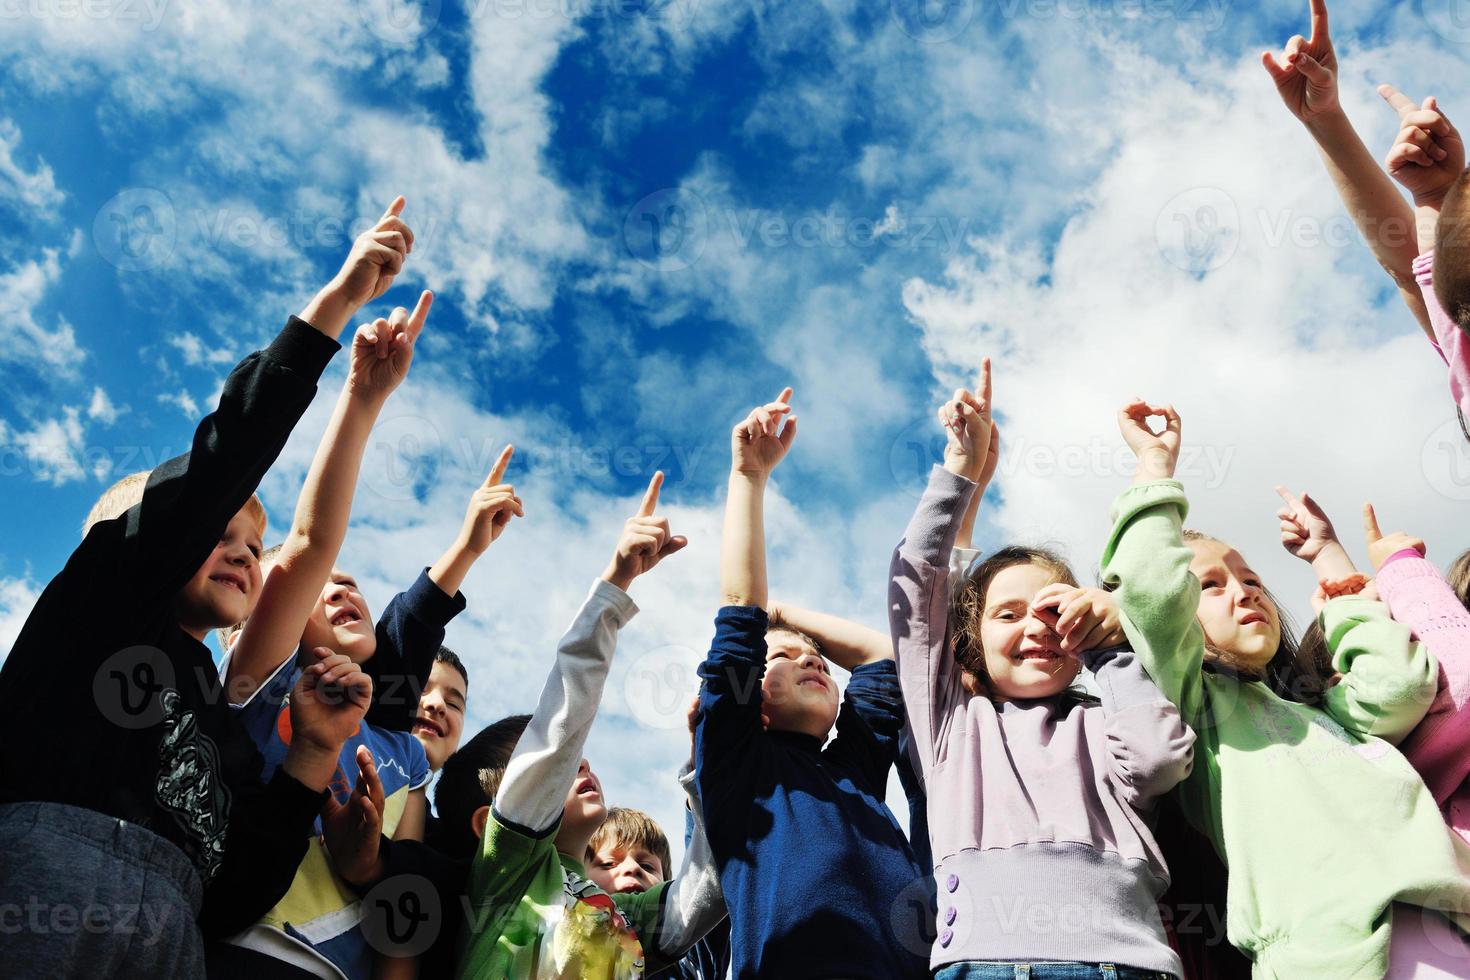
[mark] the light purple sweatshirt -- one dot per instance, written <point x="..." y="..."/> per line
<point x="1037" y="809"/>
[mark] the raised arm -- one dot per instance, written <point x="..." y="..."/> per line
<point x="546" y="759"/>
<point x="1306" y="79"/>
<point x="846" y="644"/>
<point x="491" y="508"/>
<point x="1427" y="157"/>
<point x="756" y="445"/>
<point x="381" y="355"/>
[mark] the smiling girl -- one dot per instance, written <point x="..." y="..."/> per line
<point x="1038" y="795"/>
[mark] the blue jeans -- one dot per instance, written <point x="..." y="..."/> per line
<point x="1046" y="971"/>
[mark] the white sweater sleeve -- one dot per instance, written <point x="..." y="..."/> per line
<point x="534" y="789"/>
<point x="693" y="903"/>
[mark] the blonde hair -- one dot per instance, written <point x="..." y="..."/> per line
<point x="626" y="827"/>
<point x="117" y="499"/>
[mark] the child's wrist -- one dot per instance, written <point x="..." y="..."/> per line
<point x="310" y="763"/>
<point x="1333" y="563"/>
<point x="616" y="576"/>
<point x="756" y="478"/>
<point x="329" y="310"/>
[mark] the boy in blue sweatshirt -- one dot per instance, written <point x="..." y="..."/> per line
<point x="812" y="864"/>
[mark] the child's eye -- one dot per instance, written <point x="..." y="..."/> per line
<point x="647" y="867"/>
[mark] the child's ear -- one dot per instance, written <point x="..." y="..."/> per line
<point x="479" y="819"/>
<point x="232" y="640"/>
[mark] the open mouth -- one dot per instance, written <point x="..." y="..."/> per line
<point x="1252" y="618"/>
<point x="235" y="582"/>
<point x="1037" y="656"/>
<point x="588" y="788"/>
<point x="427" y="726"/>
<point x="346" y="617"/>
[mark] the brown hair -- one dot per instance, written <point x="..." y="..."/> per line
<point x="625" y="827"/>
<point x="809" y="641"/>
<point x="1452" y="252"/>
<point x="1285" y="674"/>
<point x="968" y="607"/>
<point x="1459" y="577"/>
<point x="126" y="493"/>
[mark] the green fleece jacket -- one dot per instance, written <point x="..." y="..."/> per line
<point x="1322" y="823"/>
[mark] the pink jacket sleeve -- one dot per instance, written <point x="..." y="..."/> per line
<point x="1453" y="343"/>
<point x="1419" y="598"/>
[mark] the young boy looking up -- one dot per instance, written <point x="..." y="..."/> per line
<point x="149" y="796"/>
<point x="399" y="652"/>
<point x="811" y="860"/>
<point x="315" y="925"/>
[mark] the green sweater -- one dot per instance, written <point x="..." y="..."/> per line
<point x="1322" y="823"/>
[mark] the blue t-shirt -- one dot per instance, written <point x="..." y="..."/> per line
<point x="321" y="911"/>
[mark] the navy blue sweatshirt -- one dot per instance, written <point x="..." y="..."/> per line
<point x="410" y="632"/>
<point x="816" y="872"/>
<point x="106" y="703"/>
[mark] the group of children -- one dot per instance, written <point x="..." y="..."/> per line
<point x="268" y="817"/>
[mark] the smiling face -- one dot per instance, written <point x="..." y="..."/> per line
<point x="1023" y="658"/>
<point x="1237" y="616"/>
<point x="620" y="869"/>
<point x="224" y="589"/>
<point x="341" y="621"/>
<point x="440" y="720"/>
<point x="797" y="693"/>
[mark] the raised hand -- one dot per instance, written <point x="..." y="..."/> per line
<point x="383" y="350"/>
<point x="491" y="507"/>
<point x="1085" y="619"/>
<point x="1305" y="527"/>
<point x="1157" y="452"/>
<point x="1382" y="547"/>
<point x="329" y="700"/>
<point x="969" y="432"/>
<point x="645" y="542"/>
<point x="351" y="831"/>
<point x="1306" y="73"/>
<point x="1428" y="154"/>
<point x="760" y="441"/>
<point x="376" y="258"/>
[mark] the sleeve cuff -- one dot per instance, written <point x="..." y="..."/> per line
<point x="292" y="807"/>
<point x="621" y="603"/>
<point x="1095" y="660"/>
<point x="430" y="603"/>
<point x="1146" y="495"/>
<point x="1423" y="268"/>
<point x="303" y="348"/>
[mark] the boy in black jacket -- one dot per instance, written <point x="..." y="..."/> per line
<point x="146" y="825"/>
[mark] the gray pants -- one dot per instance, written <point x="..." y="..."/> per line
<point x="87" y="895"/>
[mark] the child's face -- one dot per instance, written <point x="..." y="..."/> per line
<point x="797" y="693"/>
<point x="1023" y="655"/>
<point x="1234" y="612"/>
<point x="341" y="621"/>
<point x="224" y="589"/>
<point x="584" y="810"/>
<point x="620" y="869"/>
<point x="440" y="720"/>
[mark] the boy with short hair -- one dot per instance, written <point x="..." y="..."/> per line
<point x="811" y="860"/>
<point x="316" y="925"/>
<point x="149" y="795"/>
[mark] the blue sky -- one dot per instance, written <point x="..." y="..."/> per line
<point x="858" y="199"/>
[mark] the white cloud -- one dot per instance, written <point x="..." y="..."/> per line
<point x="50" y="349"/>
<point x="101" y="409"/>
<point x="53" y="448"/>
<point x="181" y="400"/>
<point x="33" y="190"/>
<point x="17" y="596"/>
